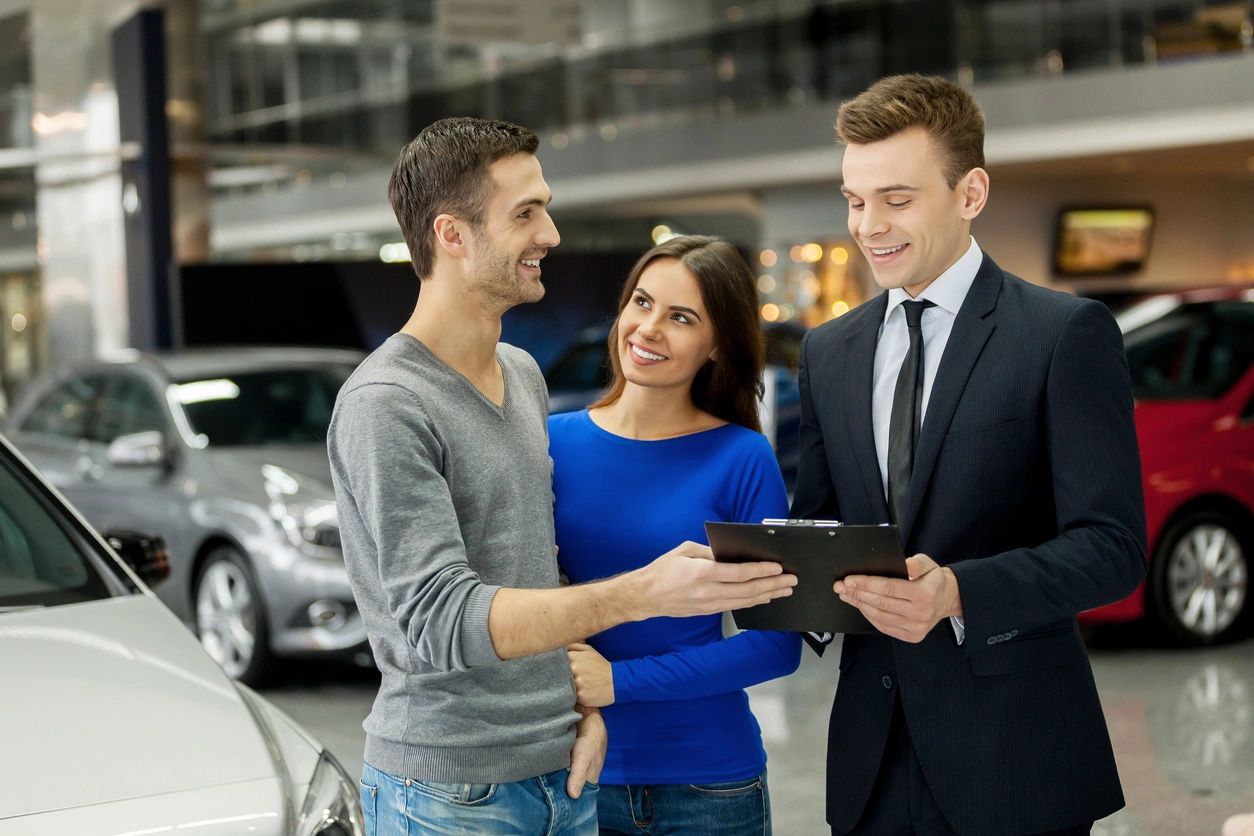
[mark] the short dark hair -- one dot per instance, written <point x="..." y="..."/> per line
<point x="445" y="170"/>
<point x="948" y="113"/>
<point x="729" y="388"/>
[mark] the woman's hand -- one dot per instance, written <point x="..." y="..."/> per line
<point x="594" y="678"/>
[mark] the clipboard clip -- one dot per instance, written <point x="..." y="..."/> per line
<point x="815" y="523"/>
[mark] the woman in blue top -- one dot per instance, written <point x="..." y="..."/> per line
<point x="673" y="443"/>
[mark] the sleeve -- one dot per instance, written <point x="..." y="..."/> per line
<point x="760" y="492"/>
<point x="717" y="668"/>
<point x="387" y="460"/>
<point x="1099" y="554"/>
<point x="813" y="497"/>
<point x="737" y="662"/>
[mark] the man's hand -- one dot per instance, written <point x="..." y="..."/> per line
<point x="687" y="581"/>
<point x="587" y="756"/>
<point x="594" y="678"/>
<point x="905" y="609"/>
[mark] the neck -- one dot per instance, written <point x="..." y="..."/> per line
<point x="914" y="290"/>
<point x="455" y="328"/>
<point x="651" y="413"/>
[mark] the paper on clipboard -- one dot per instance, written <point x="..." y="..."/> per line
<point x="819" y="553"/>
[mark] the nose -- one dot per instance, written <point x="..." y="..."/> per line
<point x="649" y="327"/>
<point x="872" y="221"/>
<point x="548" y="236"/>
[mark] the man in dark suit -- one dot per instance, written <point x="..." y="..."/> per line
<point x="991" y="420"/>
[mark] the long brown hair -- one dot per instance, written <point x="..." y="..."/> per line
<point x="728" y="388"/>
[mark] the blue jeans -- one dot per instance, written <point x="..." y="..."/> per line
<point x="729" y="808"/>
<point x="395" y="806"/>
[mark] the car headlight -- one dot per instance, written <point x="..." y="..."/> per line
<point x="316" y="524"/>
<point x="332" y="807"/>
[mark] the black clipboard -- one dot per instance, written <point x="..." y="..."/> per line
<point x="819" y="555"/>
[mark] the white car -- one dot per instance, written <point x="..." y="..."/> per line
<point x="115" y="721"/>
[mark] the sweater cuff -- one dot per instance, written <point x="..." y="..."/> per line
<point x="476" y="641"/>
<point x="624" y="682"/>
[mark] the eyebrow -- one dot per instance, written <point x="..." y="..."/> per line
<point x="896" y="187"/>
<point x="531" y="201"/>
<point x="680" y="308"/>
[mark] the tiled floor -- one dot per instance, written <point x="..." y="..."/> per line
<point x="1182" y="722"/>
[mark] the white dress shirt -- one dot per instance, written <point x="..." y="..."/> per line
<point x="946" y="293"/>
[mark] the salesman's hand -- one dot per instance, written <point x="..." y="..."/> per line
<point x="905" y="609"/>
<point x="587" y="756"/>
<point x="594" y="678"/>
<point x="687" y="581"/>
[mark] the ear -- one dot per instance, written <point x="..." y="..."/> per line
<point x="450" y="235"/>
<point x="974" y="191"/>
<point x="713" y="358"/>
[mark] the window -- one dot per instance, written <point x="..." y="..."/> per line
<point x="1197" y="351"/>
<point x="64" y="411"/>
<point x="275" y="406"/>
<point x="40" y="564"/>
<point x="128" y="405"/>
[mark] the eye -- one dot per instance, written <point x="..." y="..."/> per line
<point x="641" y="302"/>
<point x="681" y="318"/>
<point x="855" y="206"/>
<point x="525" y="215"/>
<point x="900" y="204"/>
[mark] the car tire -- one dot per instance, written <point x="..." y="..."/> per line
<point x="231" y="616"/>
<point x="1199" y="578"/>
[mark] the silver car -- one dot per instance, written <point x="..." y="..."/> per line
<point x="222" y="452"/>
<point x="115" y="721"/>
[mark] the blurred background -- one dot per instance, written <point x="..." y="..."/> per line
<point x="181" y="177"/>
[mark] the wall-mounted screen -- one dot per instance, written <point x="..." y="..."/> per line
<point x="1102" y="241"/>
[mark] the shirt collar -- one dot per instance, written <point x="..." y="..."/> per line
<point x="949" y="289"/>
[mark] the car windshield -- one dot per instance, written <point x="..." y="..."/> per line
<point x="269" y="406"/>
<point x="43" y="563"/>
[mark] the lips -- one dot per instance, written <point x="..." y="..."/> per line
<point x="644" y="356"/>
<point x="885" y="255"/>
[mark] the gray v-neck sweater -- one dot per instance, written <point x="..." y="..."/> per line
<point x="443" y="498"/>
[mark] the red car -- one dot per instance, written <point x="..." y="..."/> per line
<point x="1191" y="356"/>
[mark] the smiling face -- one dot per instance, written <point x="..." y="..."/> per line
<point x="516" y="233"/>
<point x="910" y="225"/>
<point x="665" y="335"/>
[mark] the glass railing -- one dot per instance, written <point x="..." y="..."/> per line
<point x="757" y="58"/>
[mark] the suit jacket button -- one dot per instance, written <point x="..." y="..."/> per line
<point x="888" y="682"/>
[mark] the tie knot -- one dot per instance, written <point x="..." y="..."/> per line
<point x="914" y="311"/>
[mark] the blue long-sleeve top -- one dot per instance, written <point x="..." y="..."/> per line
<point x="680" y="713"/>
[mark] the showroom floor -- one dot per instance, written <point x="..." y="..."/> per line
<point x="1182" y="722"/>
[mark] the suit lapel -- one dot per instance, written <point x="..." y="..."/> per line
<point x="972" y="327"/>
<point x="856" y="398"/>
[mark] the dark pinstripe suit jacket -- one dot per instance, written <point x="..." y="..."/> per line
<point x="1027" y="484"/>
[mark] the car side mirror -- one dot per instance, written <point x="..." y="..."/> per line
<point x="144" y="449"/>
<point x="145" y="554"/>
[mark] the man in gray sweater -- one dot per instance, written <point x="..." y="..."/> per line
<point x="443" y="480"/>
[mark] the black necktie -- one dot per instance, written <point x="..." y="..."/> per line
<point x="903" y="425"/>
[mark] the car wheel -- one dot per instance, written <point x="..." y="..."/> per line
<point x="230" y="615"/>
<point x="1200" y="578"/>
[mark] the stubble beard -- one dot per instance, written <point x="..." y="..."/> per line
<point x="498" y="285"/>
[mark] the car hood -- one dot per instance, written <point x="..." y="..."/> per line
<point x="306" y="463"/>
<point x="117" y="698"/>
